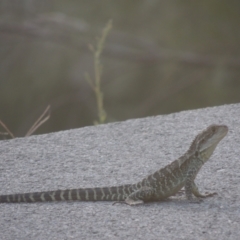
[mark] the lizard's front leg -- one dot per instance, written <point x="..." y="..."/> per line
<point x="190" y="187"/>
<point x="198" y="194"/>
<point x="140" y="196"/>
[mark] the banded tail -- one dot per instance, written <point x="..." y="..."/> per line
<point x="119" y="193"/>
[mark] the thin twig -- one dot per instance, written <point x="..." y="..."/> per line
<point x="6" y="128"/>
<point x="39" y="121"/>
<point x="96" y="83"/>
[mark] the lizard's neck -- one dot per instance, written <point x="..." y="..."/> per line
<point x="205" y="143"/>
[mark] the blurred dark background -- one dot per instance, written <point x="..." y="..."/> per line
<point x="159" y="57"/>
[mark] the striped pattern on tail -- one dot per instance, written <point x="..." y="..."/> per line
<point x="82" y="194"/>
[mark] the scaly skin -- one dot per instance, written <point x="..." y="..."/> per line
<point x="157" y="186"/>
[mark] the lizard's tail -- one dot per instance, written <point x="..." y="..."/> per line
<point x="82" y="194"/>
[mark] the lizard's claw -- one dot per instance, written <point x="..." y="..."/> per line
<point x="121" y="202"/>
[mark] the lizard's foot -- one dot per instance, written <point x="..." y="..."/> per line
<point x="207" y="195"/>
<point x="121" y="202"/>
<point x="132" y="202"/>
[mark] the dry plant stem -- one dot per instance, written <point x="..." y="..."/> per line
<point x="6" y="128"/>
<point x="39" y="121"/>
<point x="96" y="84"/>
<point x="34" y="127"/>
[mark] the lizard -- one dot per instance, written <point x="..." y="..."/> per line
<point x="158" y="186"/>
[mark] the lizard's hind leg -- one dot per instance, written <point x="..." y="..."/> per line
<point x="140" y="196"/>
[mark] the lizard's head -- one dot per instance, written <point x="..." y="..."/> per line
<point x="206" y="141"/>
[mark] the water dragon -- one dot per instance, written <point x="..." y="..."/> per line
<point x="158" y="186"/>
